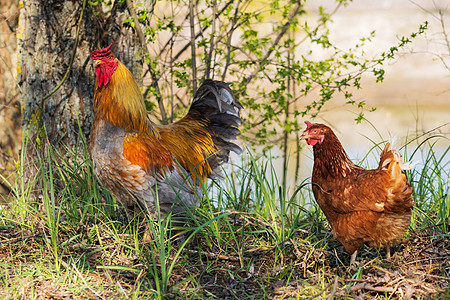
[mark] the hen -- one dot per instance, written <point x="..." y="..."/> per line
<point x="362" y="206"/>
<point x="137" y="159"/>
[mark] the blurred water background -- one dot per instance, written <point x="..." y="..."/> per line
<point x="414" y="97"/>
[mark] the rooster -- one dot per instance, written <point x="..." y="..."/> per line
<point x="362" y="206"/>
<point x="137" y="159"/>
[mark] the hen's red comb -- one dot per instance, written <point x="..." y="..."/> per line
<point x="96" y="54"/>
<point x="308" y="124"/>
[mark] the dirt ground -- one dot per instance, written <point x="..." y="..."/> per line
<point x="419" y="268"/>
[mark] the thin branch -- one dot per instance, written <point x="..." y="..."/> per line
<point x="168" y="43"/>
<point x="286" y="119"/>
<point x="10" y="26"/>
<point x="139" y="32"/>
<point x="150" y="12"/>
<point x="211" y="44"/>
<point x="200" y="32"/>
<point x="155" y="78"/>
<point x="446" y="39"/>
<point x="277" y="40"/>
<point x="193" y="52"/>
<point x="369" y="287"/>
<point x="233" y="23"/>
<point x="444" y="32"/>
<point x="172" y="40"/>
<point x="3" y="106"/>
<point x="216" y="256"/>
<point x="275" y="113"/>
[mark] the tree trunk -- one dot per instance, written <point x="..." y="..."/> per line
<point x="47" y="34"/>
<point x="9" y="97"/>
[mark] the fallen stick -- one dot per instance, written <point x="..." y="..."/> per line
<point x="215" y="255"/>
<point x="383" y="270"/>
<point x="368" y="286"/>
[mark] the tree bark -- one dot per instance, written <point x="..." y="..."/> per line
<point x="9" y="95"/>
<point x="46" y="38"/>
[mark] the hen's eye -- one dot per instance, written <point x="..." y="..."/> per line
<point x="314" y="130"/>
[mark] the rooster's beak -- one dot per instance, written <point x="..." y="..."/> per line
<point x="97" y="62"/>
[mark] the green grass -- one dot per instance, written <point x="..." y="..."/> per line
<point x="250" y="238"/>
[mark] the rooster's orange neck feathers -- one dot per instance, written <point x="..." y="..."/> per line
<point x="117" y="97"/>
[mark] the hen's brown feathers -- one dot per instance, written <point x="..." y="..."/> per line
<point x="362" y="206"/>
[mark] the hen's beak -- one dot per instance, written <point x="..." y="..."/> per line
<point x="304" y="136"/>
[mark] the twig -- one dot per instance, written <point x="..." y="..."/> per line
<point x="396" y="280"/>
<point x="193" y="52"/>
<point x="426" y="259"/>
<point x="20" y="238"/>
<point x="383" y="270"/>
<point x="395" y="289"/>
<point x="11" y="27"/>
<point x="354" y="280"/>
<point x="200" y="32"/>
<point x="215" y="255"/>
<point x="227" y="63"/>
<point x="277" y="40"/>
<point x="211" y="44"/>
<point x="368" y="286"/>
<point x="431" y="275"/>
<point x="297" y="251"/>
<point x="3" y="106"/>
<point x="155" y="79"/>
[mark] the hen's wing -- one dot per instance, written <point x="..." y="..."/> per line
<point x="385" y="189"/>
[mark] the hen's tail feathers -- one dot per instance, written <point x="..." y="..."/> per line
<point x="391" y="155"/>
<point x="399" y="191"/>
<point x="214" y="101"/>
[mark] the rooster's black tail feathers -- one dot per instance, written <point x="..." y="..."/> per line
<point x="214" y="102"/>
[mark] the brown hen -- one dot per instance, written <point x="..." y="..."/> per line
<point x="362" y="206"/>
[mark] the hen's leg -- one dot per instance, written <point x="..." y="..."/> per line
<point x="388" y="252"/>
<point x="353" y="258"/>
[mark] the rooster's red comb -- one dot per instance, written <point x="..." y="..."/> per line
<point x="308" y="124"/>
<point x="97" y="54"/>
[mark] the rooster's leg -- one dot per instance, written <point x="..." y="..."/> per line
<point x="353" y="258"/>
<point x="388" y="252"/>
